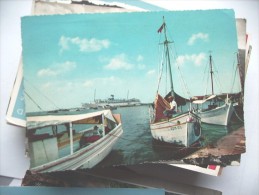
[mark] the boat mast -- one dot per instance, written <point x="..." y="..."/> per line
<point x="166" y="42"/>
<point x="211" y="76"/>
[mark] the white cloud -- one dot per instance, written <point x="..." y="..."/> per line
<point x="107" y="79"/>
<point x="101" y="81"/>
<point x="151" y="72"/>
<point x="194" y="37"/>
<point x="119" y="62"/>
<point x="66" y="66"/>
<point x="61" y="86"/>
<point x="88" y="83"/>
<point x="47" y="85"/>
<point x="181" y="59"/>
<point x="46" y="72"/>
<point x="57" y="69"/>
<point x="63" y="43"/>
<point x="141" y="66"/>
<point x="140" y="58"/>
<point x="70" y="85"/>
<point x="84" y="45"/>
<point x="197" y="59"/>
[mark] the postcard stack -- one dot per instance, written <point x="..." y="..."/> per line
<point x="118" y="93"/>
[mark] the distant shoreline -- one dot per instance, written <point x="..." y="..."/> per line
<point x="74" y="111"/>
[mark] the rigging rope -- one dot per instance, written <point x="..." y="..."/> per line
<point x="207" y="86"/>
<point x="235" y="68"/>
<point x="208" y="81"/>
<point x="234" y="79"/>
<point x="183" y="83"/>
<point x="217" y="77"/>
<point x="186" y="89"/>
<point x="38" y="91"/>
<point x="33" y="100"/>
<point x="161" y="71"/>
<point x="238" y="116"/>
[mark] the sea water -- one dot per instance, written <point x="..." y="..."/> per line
<point x="136" y="144"/>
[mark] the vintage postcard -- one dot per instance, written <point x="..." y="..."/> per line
<point x="79" y="191"/>
<point x="124" y="177"/>
<point x="128" y="88"/>
<point x="73" y="179"/>
<point x="16" y="109"/>
<point x="16" y="114"/>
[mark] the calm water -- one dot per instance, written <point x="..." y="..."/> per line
<point x="136" y="144"/>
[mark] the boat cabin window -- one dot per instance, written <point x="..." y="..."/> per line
<point x="109" y="125"/>
<point x="39" y="133"/>
<point x="59" y="131"/>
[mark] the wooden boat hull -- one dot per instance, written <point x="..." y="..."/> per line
<point x="86" y="157"/>
<point x="218" y="116"/>
<point x="183" y="130"/>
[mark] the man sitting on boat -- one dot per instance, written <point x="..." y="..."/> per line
<point x="173" y="107"/>
<point x="90" y="136"/>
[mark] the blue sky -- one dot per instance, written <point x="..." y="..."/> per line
<point x="68" y="57"/>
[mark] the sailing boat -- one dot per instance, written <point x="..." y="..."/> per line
<point x="182" y="128"/>
<point x="238" y="99"/>
<point x="215" y="113"/>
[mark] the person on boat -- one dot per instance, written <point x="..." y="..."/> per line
<point x="88" y="138"/>
<point x="173" y="107"/>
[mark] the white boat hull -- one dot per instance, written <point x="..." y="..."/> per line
<point x="218" y="116"/>
<point x="86" y="157"/>
<point x="181" y="130"/>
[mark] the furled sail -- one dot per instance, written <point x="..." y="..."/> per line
<point x="160" y="105"/>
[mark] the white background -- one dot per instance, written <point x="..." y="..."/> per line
<point x="236" y="180"/>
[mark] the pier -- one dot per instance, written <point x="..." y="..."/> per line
<point x="223" y="152"/>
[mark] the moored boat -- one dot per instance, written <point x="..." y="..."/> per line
<point x="181" y="128"/>
<point x="69" y="142"/>
<point x="215" y="113"/>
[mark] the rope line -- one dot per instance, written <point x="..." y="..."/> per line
<point x="239" y="118"/>
<point x="33" y="100"/>
<point x="38" y="91"/>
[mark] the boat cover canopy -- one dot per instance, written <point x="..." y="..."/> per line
<point x="181" y="101"/>
<point x="220" y="97"/>
<point x="204" y="100"/>
<point x="34" y="122"/>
